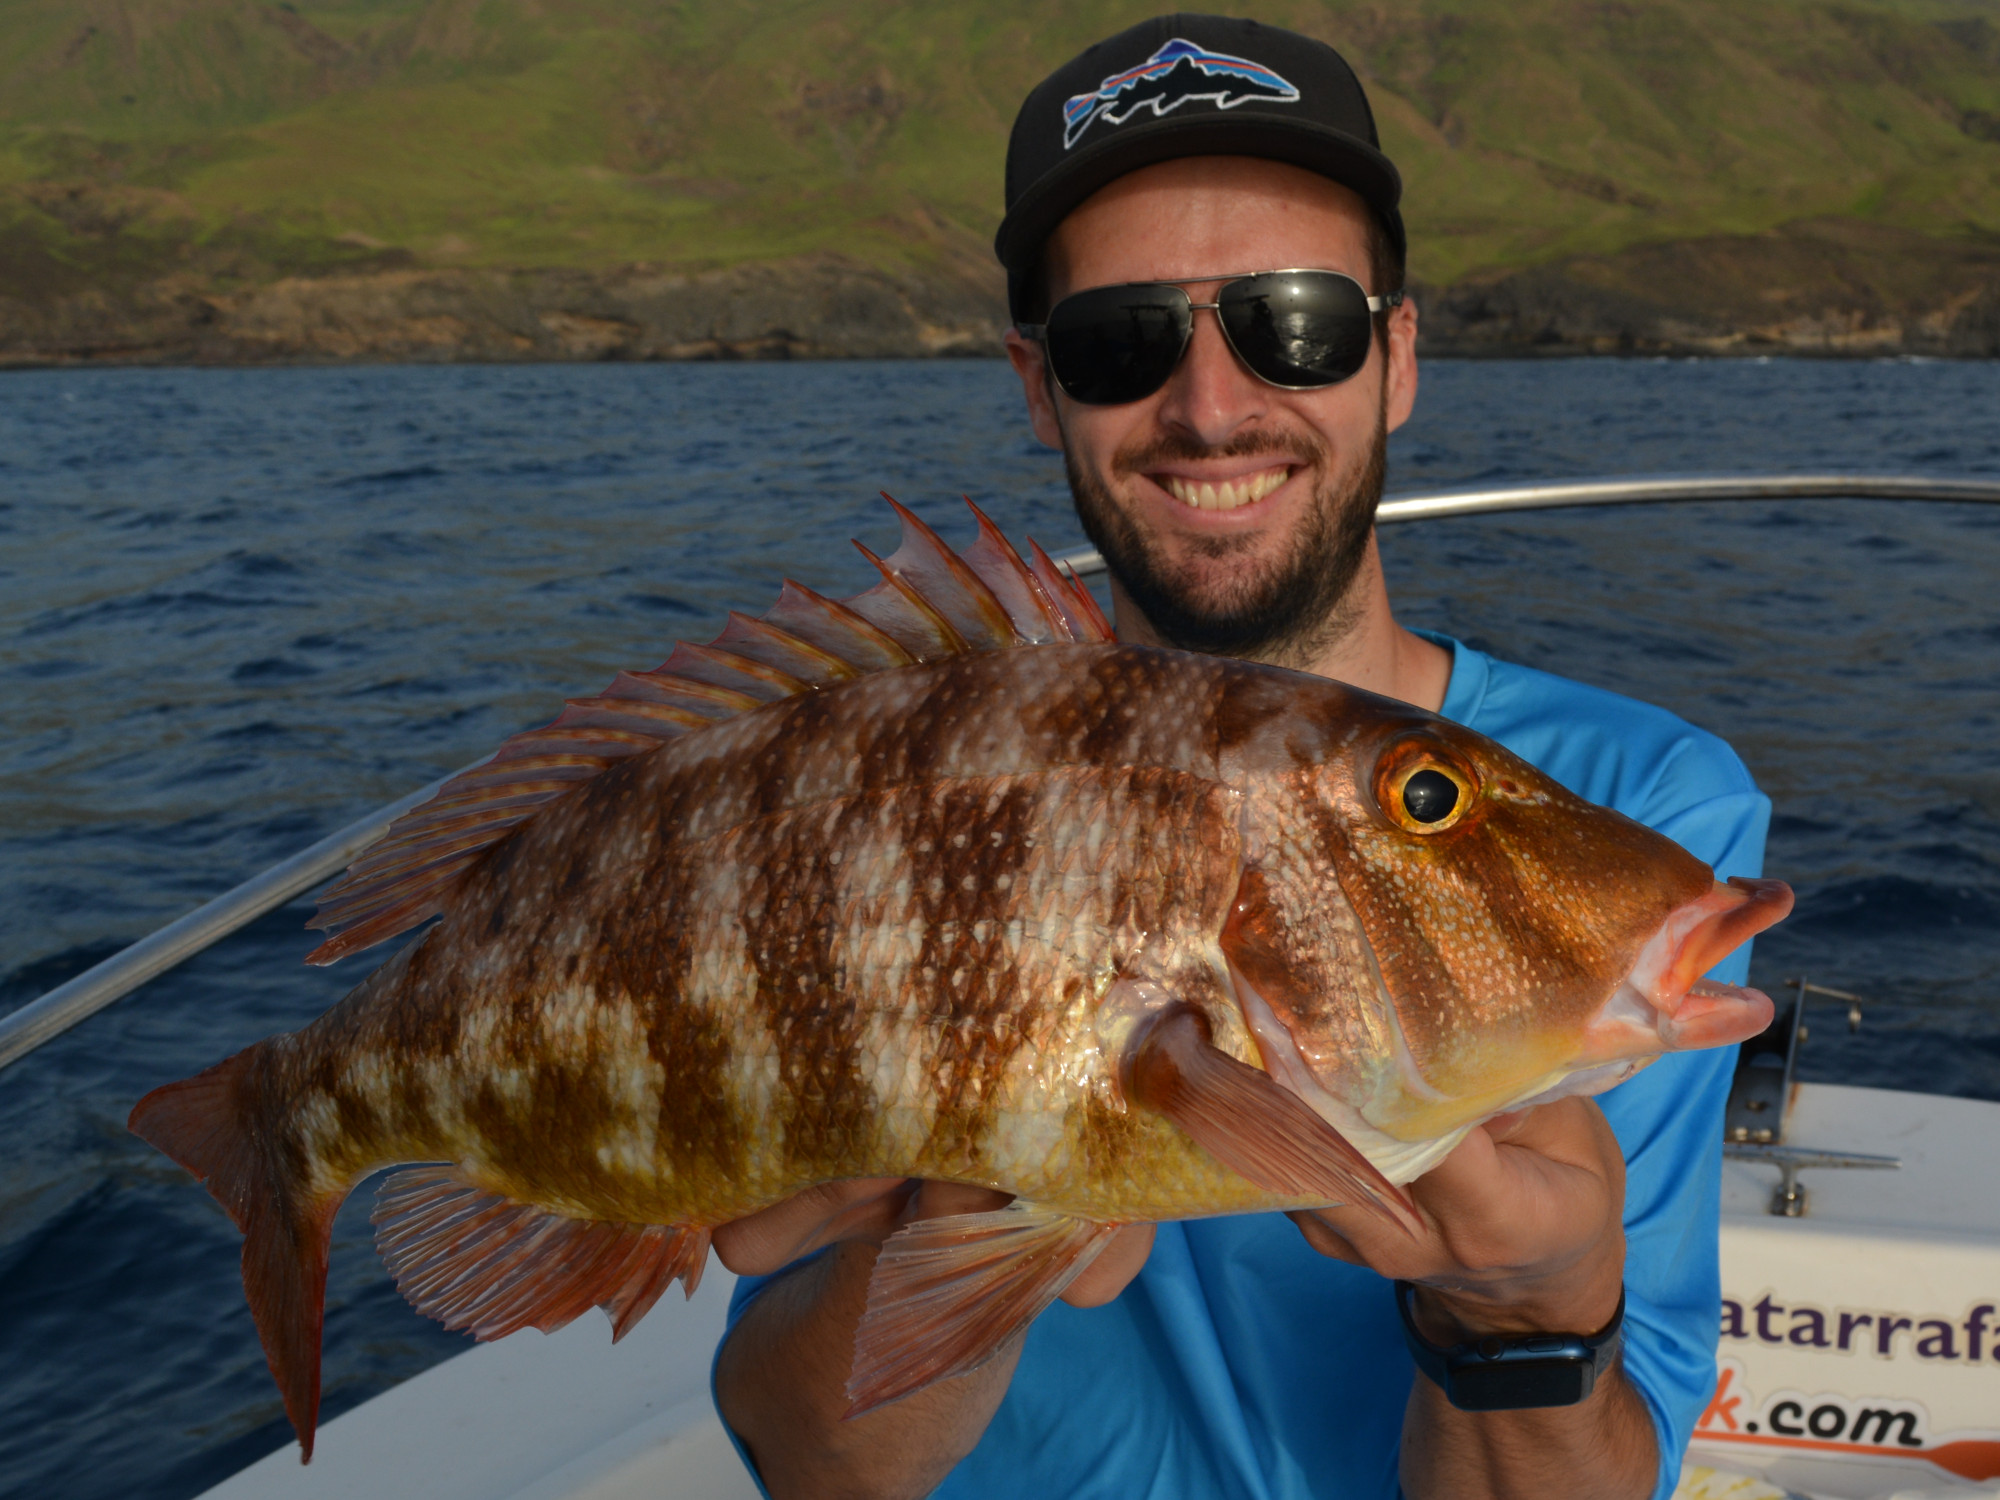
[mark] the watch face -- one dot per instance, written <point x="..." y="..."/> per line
<point x="1516" y="1384"/>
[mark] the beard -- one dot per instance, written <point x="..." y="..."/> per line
<point x="1286" y="613"/>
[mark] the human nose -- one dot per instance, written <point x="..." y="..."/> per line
<point x="1210" y="395"/>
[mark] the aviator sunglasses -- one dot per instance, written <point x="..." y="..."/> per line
<point x="1299" y="330"/>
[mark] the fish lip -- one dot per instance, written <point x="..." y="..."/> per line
<point x="1706" y="930"/>
<point x="1688" y="1010"/>
<point x="1716" y="990"/>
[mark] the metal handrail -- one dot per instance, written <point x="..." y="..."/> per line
<point x="1087" y="562"/>
<point x="23" y="1030"/>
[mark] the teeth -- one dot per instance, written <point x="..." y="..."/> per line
<point x="1231" y="494"/>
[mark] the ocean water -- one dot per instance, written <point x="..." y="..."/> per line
<point x="239" y="608"/>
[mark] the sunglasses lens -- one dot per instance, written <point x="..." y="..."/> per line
<point x="1117" y="343"/>
<point x="1298" y="328"/>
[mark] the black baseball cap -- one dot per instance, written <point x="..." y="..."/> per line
<point x="1186" y="85"/>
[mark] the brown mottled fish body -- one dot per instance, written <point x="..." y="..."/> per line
<point x="941" y="882"/>
<point x="854" y="934"/>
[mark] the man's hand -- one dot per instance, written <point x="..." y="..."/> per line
<point x="782" y="1375"/>
<point x="1523" y="1228"/>
<point x="1523" y="1233"/>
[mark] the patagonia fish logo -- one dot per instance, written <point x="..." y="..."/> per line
<point x="1178" y="72"/>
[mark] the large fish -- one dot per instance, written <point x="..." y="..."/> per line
<point x="938" y="882"/>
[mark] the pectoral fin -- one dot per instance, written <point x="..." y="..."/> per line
<point x="947" y="1294"/>
<point x="1249" y="1121"/>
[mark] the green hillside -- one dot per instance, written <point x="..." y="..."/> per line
<point x="232" y="141"/>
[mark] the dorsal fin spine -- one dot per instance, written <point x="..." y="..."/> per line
<point x="1086" y="620"/>
<point x="930" y="603"/>
<point x="762" y="641"/>
<point x="706" y="698"/>
<point x="493" y="772"/>
<point x="361" y="921"/>
<point x="1083" y="596"/>
<point x="1013" y="583"/>
<point x="633" y="715"/>
<point x="702" y="702"/>
<point x="783" y="683"/>
<point x="831" y="624"/>
<point x="986" y="622"/>
<point x="692" y="663"/>
<point x="948" y="642"/>
<point x="451" y="828"/>
<point x="427" y="851"/>
<point x="604" y="744"/>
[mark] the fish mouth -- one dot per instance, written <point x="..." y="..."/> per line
<point x="1686" y="1010"/>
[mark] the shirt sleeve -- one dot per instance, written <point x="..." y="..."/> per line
<point x="1668" y="1121"/>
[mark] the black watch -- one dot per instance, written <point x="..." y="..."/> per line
<point x="1512" y="1373"/>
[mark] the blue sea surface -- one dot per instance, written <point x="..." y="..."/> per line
<point x="239" y="608"/>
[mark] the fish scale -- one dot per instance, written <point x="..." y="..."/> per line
<point x="940" y="881"/>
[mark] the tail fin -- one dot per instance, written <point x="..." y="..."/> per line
<point x="222" y="1127"/>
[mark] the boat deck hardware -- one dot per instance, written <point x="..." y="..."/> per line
<point x="1761" y="1090"/>
<point x="23" y="1030"/>
<point x="1790" y="1201"/>
<point x="1854" y="1003"/>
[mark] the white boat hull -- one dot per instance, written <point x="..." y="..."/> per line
<point x="571" y="1417"/>
<point x="564" y="1416"/>
<point x="1860" y="1350"/>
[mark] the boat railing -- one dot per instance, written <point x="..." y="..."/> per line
<point x="1087" y="562"/>
<point x="41" y="1020"/>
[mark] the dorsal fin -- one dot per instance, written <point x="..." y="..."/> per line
<point x="931" y="603"/>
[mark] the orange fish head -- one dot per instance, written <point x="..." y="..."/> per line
<point x="1525" y="944"/>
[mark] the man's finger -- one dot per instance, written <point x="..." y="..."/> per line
<point x="1551" y="1167"/>
<point x="1116" y="1264"/>
<point x="1326" y="1239"/>
<point x="774" y="1237"/>
<point x="938" y="1200"/>
<point x="1567" y="1130"/>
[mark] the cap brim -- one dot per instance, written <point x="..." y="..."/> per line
<point x="1318" y="148"/>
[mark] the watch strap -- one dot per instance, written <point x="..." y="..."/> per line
<point x="1512" y="1372"/>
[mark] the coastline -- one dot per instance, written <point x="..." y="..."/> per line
<point x="1828" y="288"/>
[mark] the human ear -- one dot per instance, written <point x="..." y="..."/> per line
<point x="1026" y="357"/>
<point x="1399" y="377"/>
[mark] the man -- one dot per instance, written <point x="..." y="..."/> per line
<point x="1225" y="449"/>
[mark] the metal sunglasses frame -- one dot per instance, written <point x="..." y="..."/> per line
<point x="1038" y="332"/>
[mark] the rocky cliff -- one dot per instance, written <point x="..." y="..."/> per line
<point x="812" y="307"/>
<point x="1827" y="287"/>
<point x="221" y="181"/>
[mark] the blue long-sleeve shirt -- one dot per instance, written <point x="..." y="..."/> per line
<point x="1242" y="1365"/>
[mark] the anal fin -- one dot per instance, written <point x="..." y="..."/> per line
<point x="947" y="1294"/>
<point x="483" y="1264"/>
<point x="1249" y="1121"/>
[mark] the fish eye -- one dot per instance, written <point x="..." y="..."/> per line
<point x="1429" y="796"/>
<point x="1425" y="794"/>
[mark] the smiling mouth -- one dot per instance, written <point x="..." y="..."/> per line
<point x="1230" y="494"/>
